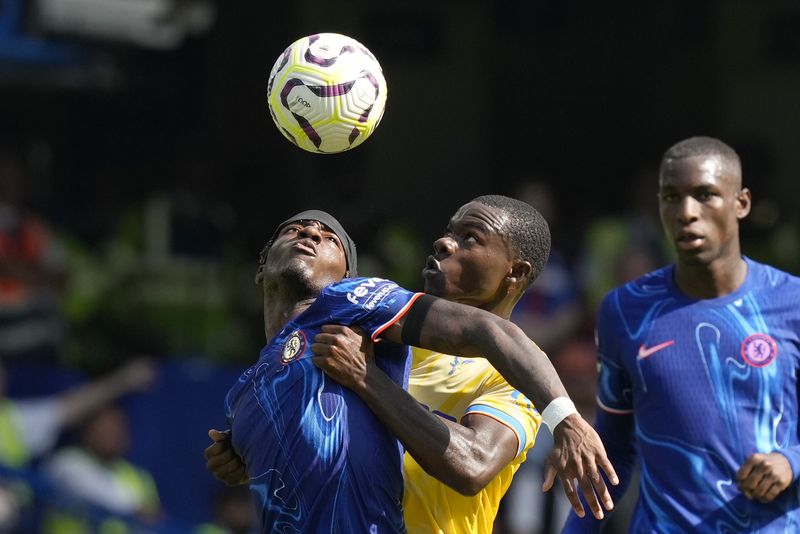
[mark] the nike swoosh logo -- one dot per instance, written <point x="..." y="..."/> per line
<point x="645" y="352"/>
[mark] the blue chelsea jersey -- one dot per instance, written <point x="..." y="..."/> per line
<point x="710" y="382"/>
<point x="318" y="458"/>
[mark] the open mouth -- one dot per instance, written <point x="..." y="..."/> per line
<point x="689" y="240"/>
<point x="305" y="247"/>
<point x="431" y="267"/>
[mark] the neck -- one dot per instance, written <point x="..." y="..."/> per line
<point x="283" y="303"/>
<point x="504" y="306"/>
<point x="717" y="279"/>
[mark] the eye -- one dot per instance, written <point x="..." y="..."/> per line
<point x="333" y="239"/>
<point x="704" y="195"/>
<point x="469" y="237"/>
<point x="669" y="197"/>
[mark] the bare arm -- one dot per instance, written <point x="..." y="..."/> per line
<point x="578" y="454"/>
<point x="79" y="402"/>
<point x="457" y="329"/>
<point x="464" y="456"/>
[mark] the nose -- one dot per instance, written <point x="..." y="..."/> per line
<point x="443" y="246"/>
<point x="688" y="210"/>
<point x="311" y="231"/>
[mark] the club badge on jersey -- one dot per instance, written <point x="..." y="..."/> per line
<point x="295" y="345"/>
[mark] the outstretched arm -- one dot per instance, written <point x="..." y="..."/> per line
<point x="77" y="403"/>
<point x="466" y="456"/>
<point x="616" y="431"/>
<point x="458" y="329"/>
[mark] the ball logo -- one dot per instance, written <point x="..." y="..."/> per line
<point x="294" y="345"/>
<point x="759" y="350"/>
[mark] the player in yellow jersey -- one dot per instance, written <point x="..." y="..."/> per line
<point x="465" y="428"/>
<point x="458" y="465"/>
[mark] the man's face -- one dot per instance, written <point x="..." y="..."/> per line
<point x="471" y="260"/>
<point x="309" y="251"/>
<point x="701" y="201"/>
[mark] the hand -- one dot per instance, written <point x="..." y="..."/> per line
<point x="764" y="476"/>
<point x="222" y="460"/>
<point x="137" y="374"/>
<point x="577" y="453"/>
<point x="344" y="354"/>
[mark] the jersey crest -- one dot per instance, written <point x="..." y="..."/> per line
<point x="294" y="345"/>
<point x="759" y="350"/>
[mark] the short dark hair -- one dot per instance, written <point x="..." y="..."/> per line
<point x="526" y="230"/>
<point x="701" y="146"/>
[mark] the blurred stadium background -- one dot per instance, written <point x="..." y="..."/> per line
<point x="136" y="132"/>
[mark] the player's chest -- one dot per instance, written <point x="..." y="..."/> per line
<point x="448" y="384"/>
<point x="711" y="350"/>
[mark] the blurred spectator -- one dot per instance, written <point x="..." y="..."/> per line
<point x="96" y="472"/>
<point x="32" y="272"/>
<point x="31" y="427"/>
<point x="9" y="510"/>
<point x="550" y="312"/>
<point x="619" y="248"/>
<point x="234" y="512"/>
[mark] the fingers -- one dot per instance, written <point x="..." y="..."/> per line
<point x="608" y="469"/>
<point x="334" y="329"/>
<point x="746" y="469"/>
<point x="599" y="488"/>
<point x="549" y="478"/>
<point x="321" y="349"/>
<point x="766" y="490"/>
<point x="327" y="338"/>
<point x="219" y="452"/>
<point x="587" y="486"/>
<point x="219" y="435"/>
<point x="572" y="495"/>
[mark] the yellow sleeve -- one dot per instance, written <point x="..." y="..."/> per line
<point x="508" y="406"/>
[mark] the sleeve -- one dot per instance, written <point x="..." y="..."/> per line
<point x="793" y="455"/>
<point x="614" y="387"/>
<point x="373" y="304"/>
<point x="615" y="421"/>
<point x="39" y="422"/>
<point x="509" y="407"/>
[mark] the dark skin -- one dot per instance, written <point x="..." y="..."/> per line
<point x="450" y="328"/>
<point x="305" y="257"/>
<point x="472" y="264"/>
<point x="701" y="201"/>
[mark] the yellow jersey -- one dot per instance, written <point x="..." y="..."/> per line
<point x="453" y="387"/>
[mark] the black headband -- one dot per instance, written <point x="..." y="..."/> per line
<point x="330" y="221"/>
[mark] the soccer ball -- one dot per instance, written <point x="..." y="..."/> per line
<point x="326" y="93"/>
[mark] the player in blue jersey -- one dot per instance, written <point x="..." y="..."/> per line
<point x="316" y="457"/>
<point x="699" y="365"/>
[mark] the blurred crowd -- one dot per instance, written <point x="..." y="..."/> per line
<point x="108" y="346"/>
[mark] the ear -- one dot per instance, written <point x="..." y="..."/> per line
<point x="519" y="273"/>
<point x="260" y="274"/>
<point x="743" y="203"/>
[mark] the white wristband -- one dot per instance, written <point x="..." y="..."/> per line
<point x="555" y="412"/>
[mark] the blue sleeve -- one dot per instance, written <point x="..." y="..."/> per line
<point x="793" y="455"/>
<point x="615" y="420"/>
<point x="372" y="304"/>
<point x="614" y="386"/>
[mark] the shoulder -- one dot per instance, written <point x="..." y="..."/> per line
<point x="772" y="277"/>
<point x="357" y="288"/>
<point x="654" y="285"/>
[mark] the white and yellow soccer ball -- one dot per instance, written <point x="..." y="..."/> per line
<point x="326" y="93"/>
